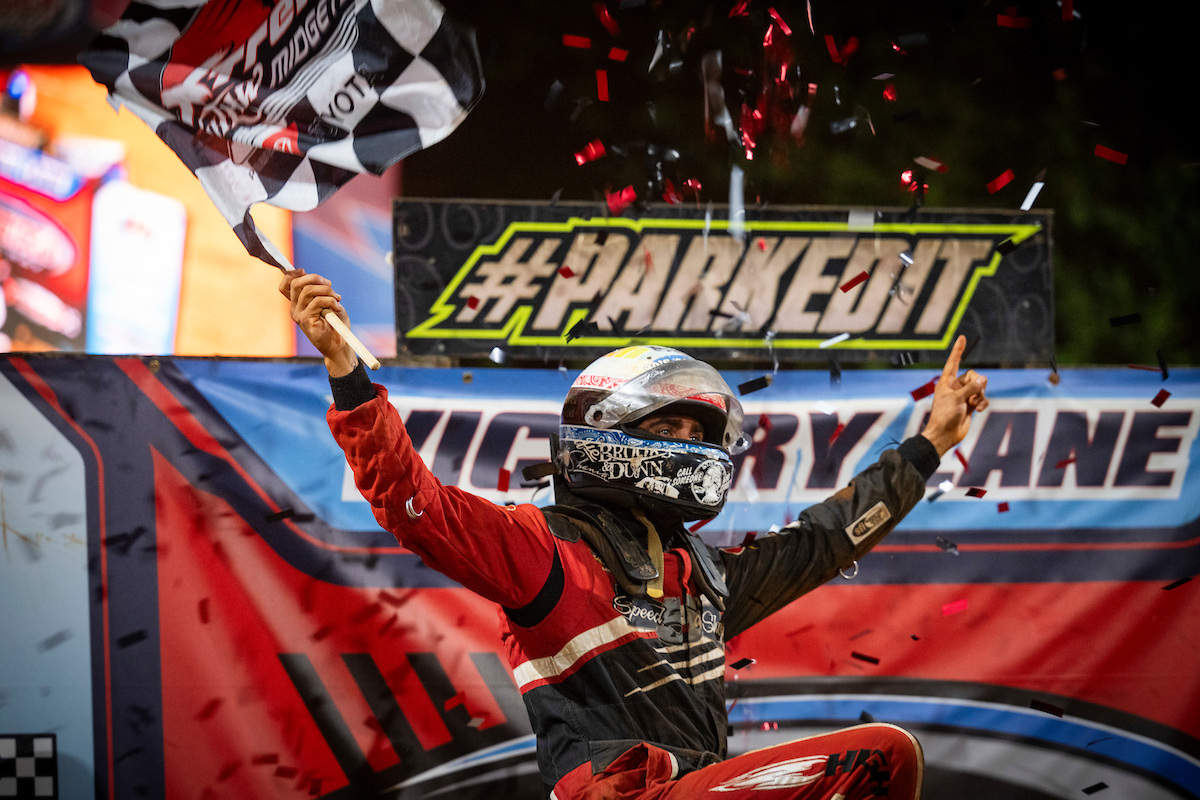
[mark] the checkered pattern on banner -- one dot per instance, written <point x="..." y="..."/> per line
<point x="284" y="102"/>
<point x="28" y="766"/>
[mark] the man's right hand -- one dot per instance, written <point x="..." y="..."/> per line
<point x="310" y="296"/>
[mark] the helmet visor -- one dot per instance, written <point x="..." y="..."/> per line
<point x="671" y="382"/>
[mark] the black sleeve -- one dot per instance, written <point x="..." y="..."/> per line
<point x="774" y="570"/>
<point x="351" y="391"/>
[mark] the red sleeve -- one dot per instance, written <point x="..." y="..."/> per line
<point x="503" y="553"/>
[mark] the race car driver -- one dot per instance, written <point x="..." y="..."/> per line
<point x="614" y="615"/>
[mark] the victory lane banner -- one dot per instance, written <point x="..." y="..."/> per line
<point x="553" y="281"/>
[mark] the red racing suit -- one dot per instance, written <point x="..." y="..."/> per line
<point x="630" y="686"/>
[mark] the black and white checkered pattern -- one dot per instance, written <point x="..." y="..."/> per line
<point x="28" y="766"/>
<point x="284" y="102"/>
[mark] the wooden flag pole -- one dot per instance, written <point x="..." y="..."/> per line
<point x="329" y="316"/>
<point x="344" y="331"/>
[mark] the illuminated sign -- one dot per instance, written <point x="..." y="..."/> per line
<point x="794" y="285"/>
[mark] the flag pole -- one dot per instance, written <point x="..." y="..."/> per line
<point x="330" y="316"/>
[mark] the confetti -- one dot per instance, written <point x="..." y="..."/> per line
<point x="962" y="459"/>
<point x="617" y="54"/>
<point x="764" y="422"/>
<point x="864" y="657"/>
<point x="581" y="42"/>
<point x="1162" y="364"/>
<point x="1000" y="181"/>
<point x="606" y="18"/>
<point x="976" y="492"/>
<point x="278" y="516"/>
<point x="1038" y="705"/>
<point x="502" y="480"/>
<point x="1176" y="584"/>
<point x="131" y="638"/>
<point x="947" y="545"/>
<point x="922" y="392"/>
<point x="496" y="356"/>
<point x="209" y="710"/>
<point x="1062" y="464"/>
<point x="1101" y="786"/>
<point x="697" y="526"/>
<point x="591" y="152"/>
<point x="1002" y="508"/>
<point x="621" y="200"/>
<point x="836" y="433"/>
<point x="855" y="281"/>
<point x="566" y="271"/>
<point x="954" y="607"/>
<point x="1006" y="247"/>
<point x="1126" y="319"/>
<point x="865" y="717"/>
<point x="754" y="385"/>
<point x="929" y="163"/>
<point x="1034" y="191"/>
<point x="1108" y="154"/>
<point x="602" y="85"/>
<point x="841" y="337"/>
<point x="741" y="663"/>
<point x="228" y="770"/>
<point x="1160" y="398"/>
<point x="472" y="302"/>
<point x="1143" y="368"/>
<point x="835" y="372"/>
<point x="53" y="640"/>
<point x="1011" y="21"/>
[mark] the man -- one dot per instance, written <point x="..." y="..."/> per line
<point x="615" y="616"/>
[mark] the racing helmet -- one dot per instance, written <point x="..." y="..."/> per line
<point x="603" y="455"/>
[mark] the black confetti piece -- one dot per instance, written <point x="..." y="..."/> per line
<point x="754" y="385"/>
<point x="976" y="492"/>
<point x="279" y="516"/>
<point x="583" y="328"/>
<point x="947" y="545"/>
<point x="864" y="657"/>
<point x="53" y="640"/>
<point x="1049" y="708"/>
<point x="1162" y="364"/>
<point x="865" y="716"/>
<point x="131" y="638"/>
<point x="1006" y="247"/>
<point x="1096" y="787"/>
<point x="741" y="663"/>
<point x="1176" y="584"/>
<point x="835" y="372"/>
<point x="1125" y="319"/>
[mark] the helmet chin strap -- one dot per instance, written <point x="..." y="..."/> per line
<point x="654" y="588"/>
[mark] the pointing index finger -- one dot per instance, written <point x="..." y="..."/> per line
<point x="951" y="369"/>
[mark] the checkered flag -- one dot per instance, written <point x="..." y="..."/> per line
<point x="28" y="766"/>
<point x="283" y="102"/>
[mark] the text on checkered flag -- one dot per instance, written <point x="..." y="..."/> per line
<point x="284" y="102"/>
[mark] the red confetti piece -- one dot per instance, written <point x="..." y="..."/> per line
<point x="472" y="302"/>
<point x="1109" y="154"/>
<point x="762" y="245"/>
<point x="591" y="152"/>
<point x="740" y="9"/>
<point x="566" y="271"/>
<point x="855" y="281"/>
<point x="1009" y="21"/>
<point x="1059" y="74"/>
<point x="1002" y="508"/>
<point x="646" y="253"/>
<point x="831" y="45"/>
<point x="1064" y="462"/>
<point x="954" y="607"/>
<point x="764" y="422"/>
<point x="697" y="526"/>
<point x="889" y="92"/>
<point x="836" y="432"/>
<point x="602" y="85"/>
<point x="502" y="480"/>
<point x="783" y="26"/>
<point x="606" y="19"/>
<point x="923" y="391"/>
<point x="209" y="710"/>
<point x="617" y="54"/>
<point x="962" y="459"/>
<point x="621" y="200"/>
<point x="976" y="492"/>
<point x="581" y="42"/>
<point x="228" y="770"/>
<point x="1160" y="398"/>
<point x="999" y="182"/>
<point x="1144" y="367"/>
<point x="454" y="702"/>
